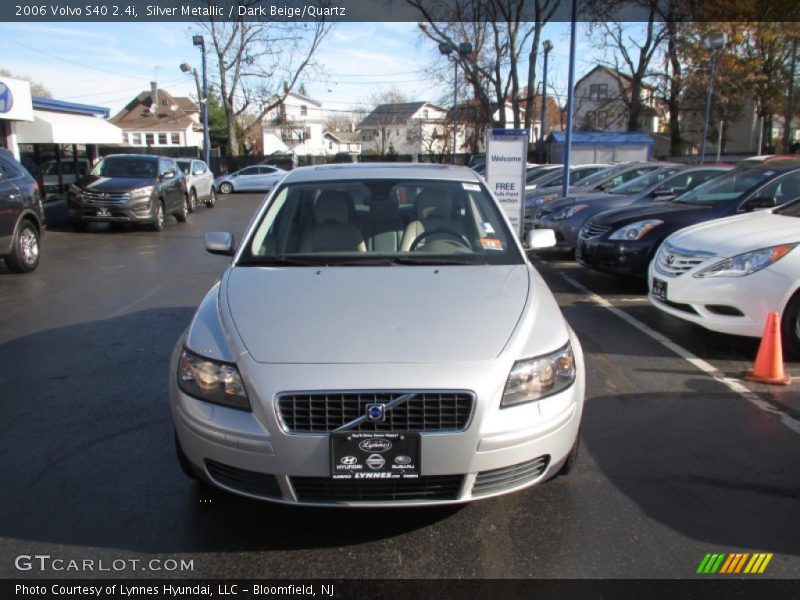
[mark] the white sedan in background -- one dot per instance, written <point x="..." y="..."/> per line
<point x="729" y="274"/>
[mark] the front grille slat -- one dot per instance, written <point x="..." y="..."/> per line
<point x="673" y="261"/>
<point x="496" y="480"/>
<point x="323" y="489"/>
<point x="592" y="230"/>
<point x="103" y="198"/>
<point x="425" y="411"/>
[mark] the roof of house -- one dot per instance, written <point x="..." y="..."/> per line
<point x="603" y="138"/>
<point x="137" y="113"/>
<point x="347" y="137"/>
<point x="393" y="113"/>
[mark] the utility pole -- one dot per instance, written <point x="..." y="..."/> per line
<point x="789" y="113"/>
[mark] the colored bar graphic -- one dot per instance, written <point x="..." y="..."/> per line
<point x="729" y="564"/>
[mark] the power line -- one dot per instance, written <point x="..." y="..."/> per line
<point x="137" y="87"/>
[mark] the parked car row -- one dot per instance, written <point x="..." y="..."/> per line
<point x="717" y="244"/>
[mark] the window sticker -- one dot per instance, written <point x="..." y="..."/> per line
<point x="471" y="187"/>
<point x="487" y="227"/>
<point x="492" y="244"/>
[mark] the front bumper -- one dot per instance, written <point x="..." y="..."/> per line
<point x="500" y="451"/>
<point x="699" y="300"/>
<point x="620" y="258"/>
<point x="139" y="210"/>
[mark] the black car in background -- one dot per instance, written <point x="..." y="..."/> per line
<point x="129" y="188"/>
<point x="623" y="241"/>
<point x="21" y="215"/>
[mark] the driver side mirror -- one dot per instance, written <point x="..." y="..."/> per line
<point x="220" y="242"/>
<point x="198" y="172"/>
<point x="540" y="238"/>
<point x="167" y="175"/>
<point x="758" y="203"/>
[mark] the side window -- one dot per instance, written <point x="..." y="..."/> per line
<point x="267" y="170"/>
<point x="8" y="170"/>
<point x="249" y="171"/>
<point x="165" y="166"/>
<point x="784" y="189"/>
<point x="676" y="184"/>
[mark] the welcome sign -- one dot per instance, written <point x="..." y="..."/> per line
<point x="506" y="160"/>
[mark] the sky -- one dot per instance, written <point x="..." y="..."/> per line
<point x="107" y="64"/>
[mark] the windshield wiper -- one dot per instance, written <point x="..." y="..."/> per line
<point x="439" y="260"/>
<point x="315" y="261"/>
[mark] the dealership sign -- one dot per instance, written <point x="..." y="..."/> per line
<point x="15" y="100"/>
<point x="506" y="159"/>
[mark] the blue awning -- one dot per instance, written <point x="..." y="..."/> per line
<point x="602" y="138"/>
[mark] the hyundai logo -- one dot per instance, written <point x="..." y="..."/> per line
<point x="375" y="445"/>
<point x="376" y="412"/>
<point x="6" y="98"/>
<point x="670" y="259"/>
<point x="349" y="460"/>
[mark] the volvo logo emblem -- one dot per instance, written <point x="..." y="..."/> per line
<point x="376" y="412"/>
<point x="6" y="98"/>
<point x="670" y="259"/>
<point x="375" y="445"/>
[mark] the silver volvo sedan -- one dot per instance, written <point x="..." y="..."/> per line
<point x="379" y="339"/>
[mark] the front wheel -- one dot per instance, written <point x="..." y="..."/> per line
<point x="212" y="199"/>
<point x="790" y="326"/>
<point x="24" y="256"/>
<point x="225" y="188"/>
<point x="183" y="214"/>
<point x="157" y="223"/>
<point x="192" y="201"/>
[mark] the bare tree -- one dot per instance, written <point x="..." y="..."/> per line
<point x="37" y="89"/>
<point x="258" y="63"/>
<point x="383" y="125"/>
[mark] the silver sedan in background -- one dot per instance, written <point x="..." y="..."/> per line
<point x="380" y="338"/>
<point x="257" y="178"/>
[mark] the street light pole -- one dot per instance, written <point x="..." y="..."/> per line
<point x="464" y="49"/>
<point x="547" y="46"/>
<point x="200" y="42"/>
<point x="714" y="43"/>
<point x="570" y="98"/>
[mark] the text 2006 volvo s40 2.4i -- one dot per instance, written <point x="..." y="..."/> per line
<point x="379" y="339"/>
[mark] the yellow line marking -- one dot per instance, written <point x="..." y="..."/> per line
<point x="765" y="563"/>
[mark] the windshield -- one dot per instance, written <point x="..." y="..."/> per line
<point x="792" y="209"/>
<point x="537" y="172"/>
<point x="730" y="186"/>
<point x="640" y="184"/>
<point x="603" y="175"/>
<point x="184" y="166"/>
<point x="377" y="222"/>
<point x="127" y="166"/>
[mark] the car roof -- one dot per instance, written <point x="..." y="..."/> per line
<point x="434" y="172"/>
<point x="782" y="165"/>
<point x="149" y="156"/>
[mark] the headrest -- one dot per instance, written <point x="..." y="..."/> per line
<point x="384" y="210"/>
<point x="434" y="205"/>
<point x="332" y="206"/>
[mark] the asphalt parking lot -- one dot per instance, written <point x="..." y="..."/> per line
<point x="677" y="461"/>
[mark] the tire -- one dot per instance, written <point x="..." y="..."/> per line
<point x="225" y="188"/>
<point x="192" y="201"/>
<point x="183" y="461"/>
<point x="572" y="458"/>
<point x="157" y="224"/>
<point x="79" y="226"/>
<point x="790" y="327"/>
<point x="25" y="247"/>
<point x="183" y="214"/>
<point x="212" y="199"/>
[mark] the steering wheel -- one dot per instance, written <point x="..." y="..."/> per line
<point x="462" y="240"/>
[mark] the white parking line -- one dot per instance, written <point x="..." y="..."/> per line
<point x="732" y="384"/>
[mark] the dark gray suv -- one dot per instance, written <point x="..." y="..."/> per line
<point x="21" y="215"/>
<point x="129" y="188"/>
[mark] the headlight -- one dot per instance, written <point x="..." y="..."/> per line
<point x="142" y="192"/>
<point x="747" y="263"/>
<point x="212" y="381"/>
<point x="635" y="231"/>
<point x="536" y="378"/>
<point x="568" y="213"/>
<point x="74" y="189"/>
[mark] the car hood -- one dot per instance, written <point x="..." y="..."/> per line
<point x="655" y="210"/>
<point x="399" y="314"/>
<point x="738" y="234"/>
<point x="113" y="185"/>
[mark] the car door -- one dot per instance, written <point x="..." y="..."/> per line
<point x="247" y="179"/>
<point x="203" y="181"/>
<point x="267" y="177"/>
<point x="10" y="202"/>
<point x="172" y="184"/>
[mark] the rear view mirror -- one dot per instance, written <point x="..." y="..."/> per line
<point x="758" y="203"/>
<point x="540" y="238"/>
<point x="220" y="242"/>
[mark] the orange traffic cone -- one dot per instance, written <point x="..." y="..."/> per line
<point x="769" y="361"/>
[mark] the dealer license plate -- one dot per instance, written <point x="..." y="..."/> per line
<point x="374" y="455"/>
<point x="660" y="289"/>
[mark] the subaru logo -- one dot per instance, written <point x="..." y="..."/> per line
<point x="6" y="98"/>
<point x="376" y="412"/>
<point x="670" y="259"/>
<point x="375" y="445"/>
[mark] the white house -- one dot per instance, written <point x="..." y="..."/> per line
<point x="295" y="126"/>
<point x="600" y="103"/>
<point x="157" y="118"/>
<point x="347" y="142"/>
<point x="406" y="128"/>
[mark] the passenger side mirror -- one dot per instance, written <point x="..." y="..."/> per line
<point x="198" y="172"/>
<point x="540" y="238"/>
<point x="758" y="203"/>
<point x="220" y="242"/>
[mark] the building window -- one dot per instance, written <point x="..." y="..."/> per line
<point x="176" y="139"/>
<point x="598" y="91"/>
<point x="148" y="139"/>
<point x="425" y="114"/>
<point x="330" y="145"/>
<point x="162" y="139"/>
<point x="602" y="119"/>
<point x="136" y="139"/>
<point x="303" y="110"/>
